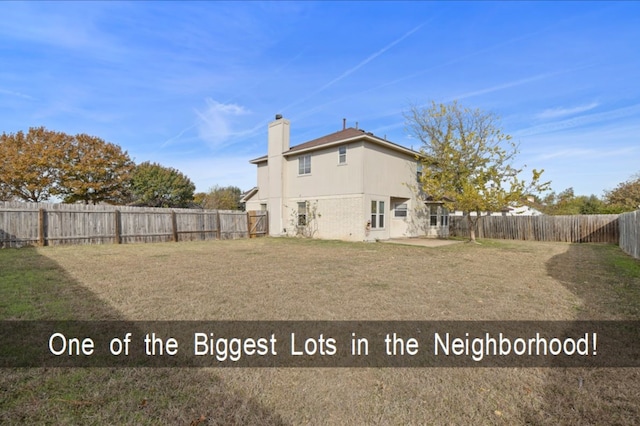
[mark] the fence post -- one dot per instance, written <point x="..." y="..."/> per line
<point x="249" y="224"/>
<point x="117" y="224"/>
<point x="42" y="238"/>
<point x="218" y="236"/>
<point x="174" y="225"/>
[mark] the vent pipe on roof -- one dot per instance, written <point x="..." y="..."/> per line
<point x="344" y="123"/>
<point x="356" y="125"/>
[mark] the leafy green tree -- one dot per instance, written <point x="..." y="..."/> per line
<point x="626" y="196"/>
<point x="592" y="205"/>
<point x="94" y="171"/>
<point x="221" y="198"/>
<point x="30" y="163"/>
<point x="154" y="185"/>
<point x="567" y="203"/>
<point x="467" y="160"/>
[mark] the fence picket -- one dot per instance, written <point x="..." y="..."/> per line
<point x="52" y="224"/>
<point x="630" y="233"/>
<point x="574" y="229"/>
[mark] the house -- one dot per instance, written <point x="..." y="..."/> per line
<point x="348" y="185"/>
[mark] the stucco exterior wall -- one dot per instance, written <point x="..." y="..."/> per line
<point x="328" y="177"/>
<point x="388" y="172"/>
<point x="340" y="195"/>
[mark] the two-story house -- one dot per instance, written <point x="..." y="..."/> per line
<point x="348" y="185"/>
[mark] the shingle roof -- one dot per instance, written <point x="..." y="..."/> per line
<point x="342" y="135"/>
<point x="347" y="133"/>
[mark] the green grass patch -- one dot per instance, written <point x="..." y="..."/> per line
<point x="34" y="287"/>
<point x="624" y="275"/>
<point x="30" y="287"/>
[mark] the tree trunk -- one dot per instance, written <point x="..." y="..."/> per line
<point x="472" y="228"/>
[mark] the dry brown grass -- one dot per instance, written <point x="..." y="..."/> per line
<point x="285" y="279"/>
<point x="281" y="279"/>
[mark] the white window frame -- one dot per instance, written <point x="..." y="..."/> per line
<point x="342" y="154"/>
<point x="439" y="214"/>
<point x="433" y="215"/>
<point x="377" y="214"/>
<point x="303" y="213"/>
<point x="400" y="210"/>
<point x="444" y="216"/>
<point x="304" y="165"/>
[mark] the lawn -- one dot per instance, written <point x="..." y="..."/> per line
<point x="296" y="279"/>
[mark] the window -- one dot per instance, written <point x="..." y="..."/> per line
<point x="302" y="213"/>
<point x="419" y="171"/>
<point x="433" y="215"/>
<point x="377" y="214"/>
<point x="304" y="164"/>
<point x="400" y="210"/>
<point x="444" y="217"/>
<point x="438" y="215"/>
<point x="342" y="155"/>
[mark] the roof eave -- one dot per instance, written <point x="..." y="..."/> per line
<point x="249" y="194"/>
<point x="364" y="137"/>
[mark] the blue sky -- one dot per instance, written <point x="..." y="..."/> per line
<point x="192" y="85"/>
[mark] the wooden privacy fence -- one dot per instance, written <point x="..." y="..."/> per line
<point x="53" y="224"/>
<point x="630" y="233"/>
<point x="601" y="228"/>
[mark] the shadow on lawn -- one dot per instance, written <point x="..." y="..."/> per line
<point x="592" y="395"/>
<point x="34" y="287"/>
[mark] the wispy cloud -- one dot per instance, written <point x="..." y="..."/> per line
<point x="216" y="124"/>
<point x="466" y="95"/>
<point x="177" y="137"/>
<point x="357" y="67"/>
<point x="584" y="120"/>
<point x="589" y="153"/>
<point x="17" y="94"/>
<point x="369" y="59"/>
<point x="563" y="112"/>
<point x="502" y="86"/>
<point x="74" y="29"/>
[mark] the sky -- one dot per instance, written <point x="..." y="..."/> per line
<point x="193" y="85"/>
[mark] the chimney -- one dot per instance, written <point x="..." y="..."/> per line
<point x="278" y="139"/>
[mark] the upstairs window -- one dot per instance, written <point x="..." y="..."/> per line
<point x="342" y="155"/>
<point x="304" y="164"/>
<point x="419" y="171"/>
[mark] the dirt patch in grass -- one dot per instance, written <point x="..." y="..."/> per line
<point x="291" y="279"/>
